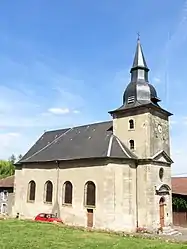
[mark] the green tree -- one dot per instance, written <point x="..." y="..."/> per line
<point x="6" y="168"/>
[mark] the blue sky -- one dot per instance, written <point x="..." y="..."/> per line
<point x="67" y="62"/>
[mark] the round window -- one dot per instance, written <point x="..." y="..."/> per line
<point x="161" y="173"/>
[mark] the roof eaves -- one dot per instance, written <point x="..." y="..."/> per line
<point x="75" y="159"/>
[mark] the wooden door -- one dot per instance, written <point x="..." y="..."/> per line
<point x="162" y="214"/>
<point x="90" y="218"/>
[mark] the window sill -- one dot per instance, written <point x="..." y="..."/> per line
<point x="67" y="205"/>
<point x="131" y="129"/>
<point x="90" y="207"/>
<point x="48" y="203"/>
<point x="29" y="201"/>
<point x="132" y="150"/>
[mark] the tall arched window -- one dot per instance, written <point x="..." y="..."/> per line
<point x="131" y="124"/>
<point x="89" y="194"/>
<point x="67" y="193"/>
<point x="48" y="192"/>
<point x="131" y="144"/>
<point x="31" y="191"/>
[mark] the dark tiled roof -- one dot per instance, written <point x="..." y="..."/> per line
<point x="88" y="141"/>
<point x="7" y="182"/>
<point x="179" y="185"/>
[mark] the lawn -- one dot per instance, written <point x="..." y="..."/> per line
<point x="15" y="234"/>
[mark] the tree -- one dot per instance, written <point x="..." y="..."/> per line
<point x="12" y="159"/>
<point x="6" y="168"/>
<point x="19" y="157"/>
<point x="179" y="203"/>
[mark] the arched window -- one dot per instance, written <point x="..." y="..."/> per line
<point x="89" y="194"/>
<point x="31" y="191"/>
<point x="131" y="143"/>
<point x="162" y="200"/>
<point x="67" y="193"/>
<point x="48" y="192"/>
<point x="131" y="124"/>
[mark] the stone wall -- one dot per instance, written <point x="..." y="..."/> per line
<point x="148" y="199"/>
<point x="115" y="193"/>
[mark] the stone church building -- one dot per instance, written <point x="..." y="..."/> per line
<point x="111" y="175"/>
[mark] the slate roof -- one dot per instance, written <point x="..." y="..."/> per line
<point x="7" y="182"/>
<point x="88" y="141"/>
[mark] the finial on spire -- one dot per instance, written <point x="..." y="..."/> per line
<point x="139" y="60"/>
<point x="139" y="70"/>
<point x="138" y="35"/>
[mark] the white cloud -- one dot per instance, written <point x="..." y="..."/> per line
<point x="25" y="104"/>
<point x="28" y="108"/>
<point x="59" y="111"/>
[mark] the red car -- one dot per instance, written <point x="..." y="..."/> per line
<point x="47" y="218"/>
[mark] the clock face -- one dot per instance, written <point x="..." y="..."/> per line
<point x="159" y="128"/>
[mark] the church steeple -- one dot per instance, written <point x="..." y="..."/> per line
<point x="139" y="70"/>
<point x="139" y="92"/>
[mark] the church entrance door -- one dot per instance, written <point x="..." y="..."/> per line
<point x="161" y="204"/>
<point x="90" y="218"/>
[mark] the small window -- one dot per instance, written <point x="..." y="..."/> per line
<point x="131" y="124"/>
<point x="48" y="192"/>
<point x="131" y="143"/>
<point x="31" y="191"/>
<point x="89" y="194"/>
<point x="161" y="173"/>
<point x="67" y="193"/>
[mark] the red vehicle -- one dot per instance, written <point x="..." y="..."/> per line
<point x="47" y="218"/>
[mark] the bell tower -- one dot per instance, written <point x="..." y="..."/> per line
<point x="143" y="126"/>
<point x="140" y="123"/>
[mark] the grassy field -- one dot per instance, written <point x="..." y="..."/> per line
<point x="25" y="235"/>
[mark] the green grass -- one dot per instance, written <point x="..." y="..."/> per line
<point x="15" y="234"/>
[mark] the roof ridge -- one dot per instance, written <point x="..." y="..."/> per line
<point x="110" y="145"/>
<point x="121" y="146"/>
<point x="99" y="122"/>
<point x="46" y="146"/>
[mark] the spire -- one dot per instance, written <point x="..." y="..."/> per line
<point x="139" y="70"/>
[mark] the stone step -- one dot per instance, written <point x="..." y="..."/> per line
<point x="170" y="231"/>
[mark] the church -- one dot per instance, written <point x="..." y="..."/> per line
<point x="113" y="175"/>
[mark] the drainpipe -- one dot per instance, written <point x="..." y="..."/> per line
<point x="57" y="189"/>
<point x="137" y="195"/>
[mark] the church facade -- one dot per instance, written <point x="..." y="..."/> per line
<point x="112" y="175"/>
